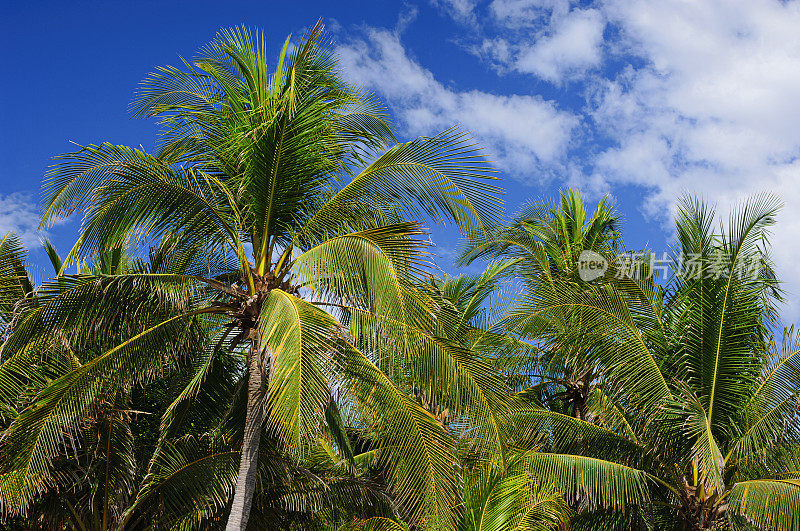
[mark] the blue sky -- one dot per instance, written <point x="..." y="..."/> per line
<point x="642" y="100"/>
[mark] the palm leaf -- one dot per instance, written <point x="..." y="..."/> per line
<point x="595" y="482"/>
<point x="297" y="340"/>
<point x="420" y="455"/>
<point x="769" y="504"/>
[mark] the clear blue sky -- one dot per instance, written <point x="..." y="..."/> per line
<point x="641" y="100"/>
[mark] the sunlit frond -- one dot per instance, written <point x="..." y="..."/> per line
<point x="297" y="344"/>
<point x="595" y="482"/>
<point x="510" y="500"/>
<point x="419" y="454"/>
<point x="769" y="504"/>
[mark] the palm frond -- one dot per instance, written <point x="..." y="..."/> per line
<point x="723" y="305"/>
<point x="61" y="410"/>
<point x="442" y="176"/>
<point x="769" y="504"/>
<point x="420" y="455"/>
<point x="590" y="481"/>
<point x="297" y="340"/>
<point x="510" y="500"/>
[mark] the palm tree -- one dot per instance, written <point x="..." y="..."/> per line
<point x="507" y="499"/>
<point x="282" y="180"/>
<point x="698" y="428"/>
<point x="545" y="242"/>
<point x="89" y="483"/>
<point x="98" y="484"/>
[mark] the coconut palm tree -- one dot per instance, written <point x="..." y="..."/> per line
<point x="283" y="180"/>
<point x="89" y="483"/>
<point x="698" y="428"/>
<point x="545" y="242"/>
<point x="507" y="499"/>
<point x="98" y="484"/>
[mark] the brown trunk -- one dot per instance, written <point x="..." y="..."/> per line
<point x="576" y="397"/>
<point x="248" y="465"/>
<point x="580" y="407"/>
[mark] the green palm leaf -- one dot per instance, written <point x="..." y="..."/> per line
<point x="596" y="482"/>
<point x="419" y="453"/>
<point x="769" y="504"/>
<point x="297" y="340"/>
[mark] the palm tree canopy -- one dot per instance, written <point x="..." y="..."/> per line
<point x="283" y="184"/>
<point x="689" y="377"/>
<point x="254" y="336"/>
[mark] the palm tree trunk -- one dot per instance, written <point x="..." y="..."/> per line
<point x="248" y="465"/>
<point x="579" y="407"/>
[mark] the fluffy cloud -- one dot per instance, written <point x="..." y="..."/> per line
<point x="517" y="14"/>
<point x="666" y="96"/>
<point x="713" y="110"/>
<point x="18" y="213"/>
<point x="460" y="10"/>
<point x="571" y="47"/>
<point x="546" y="38"/>
<point x="523" y="134"/>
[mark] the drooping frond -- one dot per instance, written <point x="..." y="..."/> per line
<point x="125" y="192"/>
<point x="609" y="415"/>
<point x="187" y="476"/>
<point x="510" y="500"/>
<point x="595" y="482"/>
<point x="769" y="504"/>
<point x="99" y="309"/>
<point x="371" y="269"/>
<point x="609" y="325"/>
<point x="14" y="282"/>
<point x="63" y="408"/>
<point x="297" y="342"/>
<point x="445" y="376"/>
<point x="536" y="427"/>
<point x="210" y="384"/>
<point x="419" y="454"/>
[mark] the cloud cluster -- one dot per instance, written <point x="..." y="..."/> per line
<point x="18" y="213"/>
<point x="556" y="46"/>
<point x="716" y="98"/>
<point x="461" y="10"/>
<point x="672" y="96"/>
<point x="712" y="110"/>
<point x="550" y="39"/>
<point x="524" y="134"/>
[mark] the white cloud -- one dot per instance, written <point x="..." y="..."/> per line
<point x="461" y="10"/>
<point x="544" y="38"/>
<point x="516" y="14"/>
<point x="523" y="134"/>
<point x="714" y="110"/>
<point x="18" y="213"/>
<point x="707" y="104"/>
<point x="573" y="46"/>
